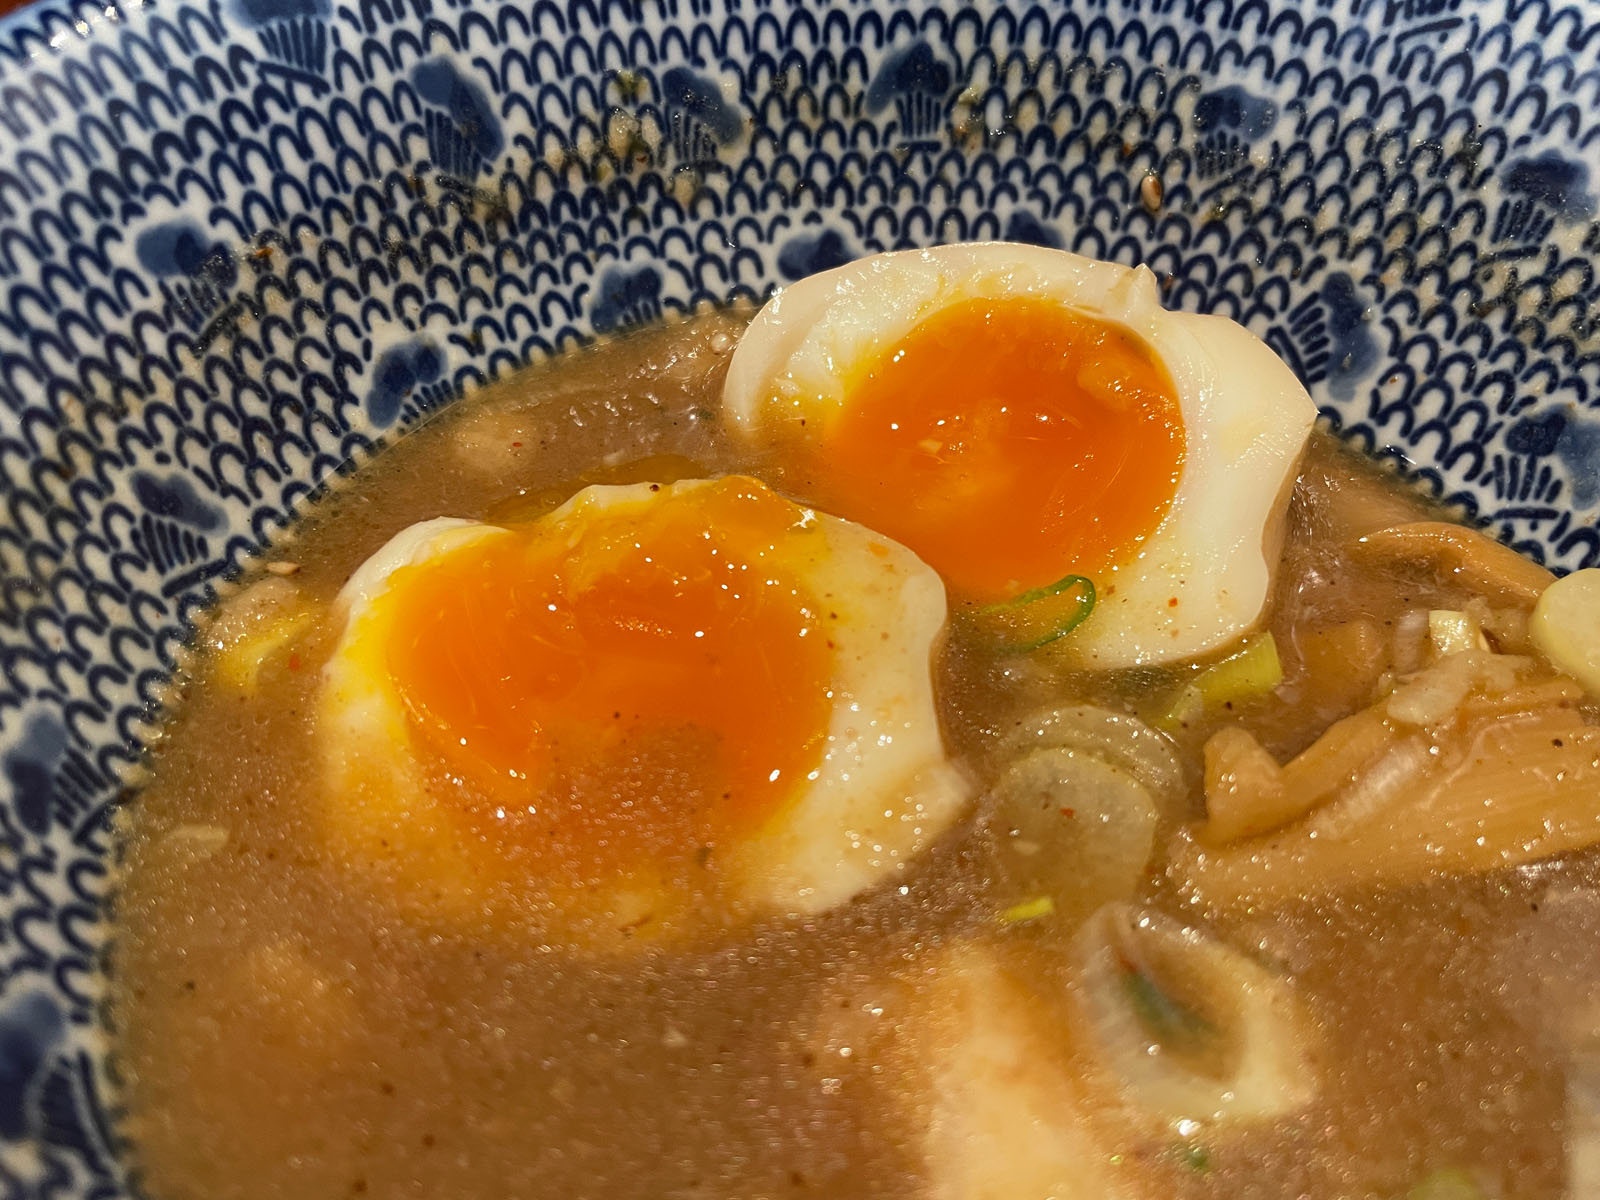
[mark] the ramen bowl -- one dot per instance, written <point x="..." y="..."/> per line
<point x="244" y="245"/>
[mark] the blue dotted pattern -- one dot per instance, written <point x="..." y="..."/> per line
<point x="243" y="242"/>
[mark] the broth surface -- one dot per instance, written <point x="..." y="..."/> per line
<point x="287" y="1036"/>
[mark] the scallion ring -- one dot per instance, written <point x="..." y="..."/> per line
<point x="1039" y="616"/>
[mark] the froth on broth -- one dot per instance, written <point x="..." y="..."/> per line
<point x="1312" y="916"/>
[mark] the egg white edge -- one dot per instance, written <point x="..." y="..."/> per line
<point x="846" y="834"/>
<point x="358" y="705"/>
<point x="1251" y="435"/>
<point x="828" y="843"/>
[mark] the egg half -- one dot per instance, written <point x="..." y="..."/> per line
<point x="1015" y="415"/>
<point x="660" y="708"/>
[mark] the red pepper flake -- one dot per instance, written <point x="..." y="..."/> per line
<point x="1172" y="602"/>
<point x="294" y="661"/>
<point x="1069" y="812"/>
<point x="516" y="445"/>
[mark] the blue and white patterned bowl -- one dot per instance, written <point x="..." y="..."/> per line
<point x="243" y="241"/>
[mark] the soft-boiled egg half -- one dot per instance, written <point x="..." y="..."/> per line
<point x="659" y="708"/>
<point x="1015" y="415"/>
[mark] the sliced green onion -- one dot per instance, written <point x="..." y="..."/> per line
<point x="1185" y="706"/>
<point x="1028" y="910"/>
<point x="1170" y="1021"/>
<point x="1038" y="616"/>
<point x="1249" y="672"/>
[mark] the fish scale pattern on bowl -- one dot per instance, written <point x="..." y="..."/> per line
<point x="243" y="244"/>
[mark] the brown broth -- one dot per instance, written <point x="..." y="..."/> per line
<point x="286" y="1035"/>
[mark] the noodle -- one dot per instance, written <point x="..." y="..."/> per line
<point x="1460" y="556"/>
<point x="1521" y="788"/>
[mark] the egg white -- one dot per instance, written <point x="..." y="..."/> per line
<point x="880" y="791"/>
<point x="1245" y="415"/>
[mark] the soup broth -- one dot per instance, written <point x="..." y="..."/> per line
<point x="288" y="1031"/>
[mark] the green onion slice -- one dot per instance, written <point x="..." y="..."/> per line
<point x="1028" y="910"/>
<point x="1039" y="616"/>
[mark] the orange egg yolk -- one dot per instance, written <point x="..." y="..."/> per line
<point x="1008" y="443"/>
<point x="617" y="688"/>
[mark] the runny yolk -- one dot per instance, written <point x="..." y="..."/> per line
<point x="1008" y="443"/>
<point x="619" y="689"/>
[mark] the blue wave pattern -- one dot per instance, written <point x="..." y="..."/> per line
<point x="243" y="244"/>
